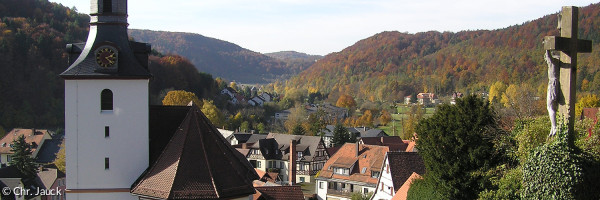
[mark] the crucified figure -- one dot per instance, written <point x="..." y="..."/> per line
<point x="551" y="98"/>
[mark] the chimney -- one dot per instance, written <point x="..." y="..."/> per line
<point x="357" y="149"/>
<point x="293" y="158"/>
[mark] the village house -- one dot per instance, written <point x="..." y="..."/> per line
<point x="241" y="137"/>
<point x="48" y="178"/>
<point x="234" y="97"/>
<point x="354" y="168"/>
<point x="396" y="170"/>
<point x="272" y="154"/>
<point x="52" y="178"/>
<point x="36" y="138"/>
<point x="261" y="99"/>
<point x="427" y="99"/>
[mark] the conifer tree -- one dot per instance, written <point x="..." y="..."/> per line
<point x="21" y="158"/>
<point x="339" y="135"/>
<point x="456" y="143"/>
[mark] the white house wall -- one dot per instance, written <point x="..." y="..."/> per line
<point x="385" y="185"/>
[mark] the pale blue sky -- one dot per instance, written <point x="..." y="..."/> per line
<point x="324" y="26"/>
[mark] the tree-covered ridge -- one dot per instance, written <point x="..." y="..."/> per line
<point x="33" y="35"/>
<point x="296" y="62"/>
<point x="217" y="57"/>
<point x="390" y="65"/>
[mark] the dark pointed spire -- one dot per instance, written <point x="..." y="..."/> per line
<point x="197" y="163"/>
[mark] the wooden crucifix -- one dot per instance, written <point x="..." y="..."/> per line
<point x="568" y="45"/>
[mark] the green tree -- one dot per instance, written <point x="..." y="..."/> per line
<point x="181" y="98"/>
<point x="317" y="121"/>
<point x="21" y="158"/>
<point x="245" y="126"/>
<point x="361" y="196"/>
<point x="298" y="130"/>
<point x="339" y="135"/>
<point x="455" y="143"/>
<point x="261" y="127"/>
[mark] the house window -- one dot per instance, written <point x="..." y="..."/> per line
<point x="258" y="164"/>
<point x="8" y="158"/>
<point x="106" y="163"/>
<point x="320" y="185"/>
<point x="106" y="131"/>
<point x="374" y="174"/>
<point x="365" y="190"/>
<point x="106" y="100"/>
<point x="302" y="179"/>
<point x="107" y="6"/>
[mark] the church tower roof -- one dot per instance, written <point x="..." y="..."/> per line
<point x="197" y="163"/>
<point x="108" y="53"/>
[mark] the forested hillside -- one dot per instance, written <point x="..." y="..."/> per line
<point x="33" y="35"/>
<point x="217" y="57"/>
<point x="390" y="65"/>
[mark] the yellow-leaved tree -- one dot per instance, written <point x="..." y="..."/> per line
<point x="588" y="101"/>
<point x="181" y="98"/>
<point x="496" y="91"/>
<point x="213" y="113"/>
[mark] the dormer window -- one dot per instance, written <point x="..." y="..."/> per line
<point x="342" y="171"/>
<point x="375" y="174"/>
<point x="106" y="100"/>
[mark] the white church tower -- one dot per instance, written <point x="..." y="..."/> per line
<point x="106" y="107"/>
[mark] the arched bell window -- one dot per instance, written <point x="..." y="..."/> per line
<point x="107" y="6"/>
<point x="106" y="100"/>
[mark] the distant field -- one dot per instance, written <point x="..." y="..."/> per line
<point x="398" y="119"/>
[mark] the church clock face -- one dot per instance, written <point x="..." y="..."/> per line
<point x="106" y="57"/>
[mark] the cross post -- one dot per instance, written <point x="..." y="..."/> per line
<point x="569" y="45"/>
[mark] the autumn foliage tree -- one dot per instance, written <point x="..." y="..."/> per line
<point x="346" y="101"/>
<point x="181" y="98"/>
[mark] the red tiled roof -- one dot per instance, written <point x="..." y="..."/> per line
<point x="279" y="193"/>
<point x="590" y="113"/>
<point x="30" y="138"/>
<point x="402" y="193"/>
<point x="370" y="158"/>
<point x="188" y="169"/>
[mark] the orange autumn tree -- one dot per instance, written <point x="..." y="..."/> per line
<point x="345" y="101"/>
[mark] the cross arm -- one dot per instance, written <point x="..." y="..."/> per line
<point x="562" y="44"/>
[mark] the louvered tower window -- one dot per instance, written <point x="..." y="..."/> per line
<point x="106" y="100"/>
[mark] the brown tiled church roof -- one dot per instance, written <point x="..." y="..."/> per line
<point x="197" y="163"/>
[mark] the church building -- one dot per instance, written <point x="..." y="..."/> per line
<point x="120" y="147"/>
